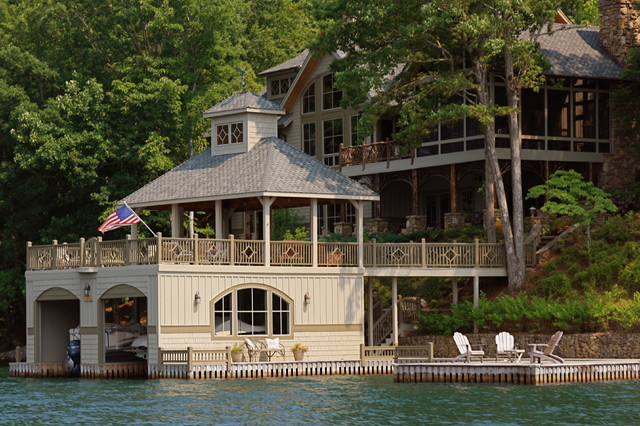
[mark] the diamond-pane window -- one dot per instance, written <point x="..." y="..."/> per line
<point x="236" y="133"/>
<point x="222" y="133"/>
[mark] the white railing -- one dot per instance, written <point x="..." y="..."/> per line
<point x="197" y="251"/>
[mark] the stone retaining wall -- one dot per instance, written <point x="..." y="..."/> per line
<point x="588" y="345"/>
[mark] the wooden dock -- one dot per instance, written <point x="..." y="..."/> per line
<point x="406" y="371"/>
<point x="525" y="373"/>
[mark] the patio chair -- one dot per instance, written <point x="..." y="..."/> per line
<point x="506" y="348"/>
<point x="253" y="348"/>
<point x="274" y="347"/>
<point x="466" y="350"/>
<point x="536" y="354"/>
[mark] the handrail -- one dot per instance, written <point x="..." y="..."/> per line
<point x="382" y="327"/>
<point x="191" y="357"/>
<point x="397" y="354"/>
<point x="198" y="251"/>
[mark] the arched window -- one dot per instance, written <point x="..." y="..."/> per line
<point x="252" y="311"/>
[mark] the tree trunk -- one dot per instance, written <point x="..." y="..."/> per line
<point x="493" y="167"/>
<point x="517" y="268"/>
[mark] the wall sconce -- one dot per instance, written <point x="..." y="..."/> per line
<point x="307" y="298"/>
<point x="87" y="293"/>
<point x="196" y="298"/>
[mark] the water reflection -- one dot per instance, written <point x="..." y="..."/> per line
<point x="313" y="400"/>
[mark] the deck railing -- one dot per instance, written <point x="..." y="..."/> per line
<point x="197" y="251"/>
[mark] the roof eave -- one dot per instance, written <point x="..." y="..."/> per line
<point x="243" y="111"/>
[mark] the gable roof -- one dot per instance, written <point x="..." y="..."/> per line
<point x="271" y="168"/>
<point x="243" y="101"/>
<point x="575" y="51"/>
<point x="291" y="64"/>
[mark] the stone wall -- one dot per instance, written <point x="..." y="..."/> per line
<point x="619" y="32"/>
<point x="588" y="345"/>
<point x="619" y="27"/>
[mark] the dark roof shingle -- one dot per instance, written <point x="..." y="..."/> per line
<point x="272" y="166"/>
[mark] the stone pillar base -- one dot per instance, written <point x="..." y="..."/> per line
<point x="453" y="220"/>
<point x="345" y="229"/>
<point x="376" y="225"/>
<point x="416" y="223"/>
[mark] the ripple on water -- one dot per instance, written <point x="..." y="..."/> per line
<point x="314" y="400"/>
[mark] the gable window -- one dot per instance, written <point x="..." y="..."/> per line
<point x="229" y="133"/>
<point x="252" y="312"/>
<point x="309" y="99"/>
<point x="309" y="138"/>
<point x="279" y="87"/>
<point x="331" y="96"/>
<point x="332" y="136"/>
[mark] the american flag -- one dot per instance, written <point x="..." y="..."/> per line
<point x="124" y="216"/>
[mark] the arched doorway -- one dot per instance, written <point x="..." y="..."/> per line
<point x="57" y="312"/>
<point x="124" y="324"/>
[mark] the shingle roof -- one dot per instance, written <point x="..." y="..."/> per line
<point x="575" y="51"/>
<point x="293" y="63"/>
<point x="271" y="167"/>
<point x="242" y="101"/>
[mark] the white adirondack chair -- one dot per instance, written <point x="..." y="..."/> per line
<point x="466" y="351"/>
<point x="536" y="354"/>
<point x="506" y="348"/>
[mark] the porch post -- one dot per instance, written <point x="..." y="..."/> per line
<point x="476" y="290"/>
<point x="370" y="340"/>
<point x="219" y="233"/>
<point x="314" y="232"/>
<point x="266" y="227"/>
<point x="394" y="296"/>
<point x="359" y="205"/>
<point x="176" y="221"/>
<point x="476" y="298"/>
<point x="453" y="189"/>
<point x="414" y="192"/>
<point x="454" y="290"/>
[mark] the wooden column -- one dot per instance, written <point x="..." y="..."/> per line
<point x="219" y="232"/>
<point x="359" y="205"/>
<point x="266" y="227"/>
<point x="370" y="340"/>
<point x="394" y="298"/>
<point x="414" y="192"/>
<point x="377" y="204"/>
<point x="454" y="290"/>
<point x="314" y="231"/>
<point x="453" y="189"/>
<point x="176" y="221"/>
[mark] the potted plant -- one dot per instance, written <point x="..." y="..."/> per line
<point x="236" y="352"/>
<point x="298" y="351"/>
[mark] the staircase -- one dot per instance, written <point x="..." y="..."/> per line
<point x="383" y="321"/>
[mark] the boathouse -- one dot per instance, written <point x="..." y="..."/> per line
<point x="147" y="296"/>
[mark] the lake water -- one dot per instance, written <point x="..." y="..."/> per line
<point x="312" y="400"/>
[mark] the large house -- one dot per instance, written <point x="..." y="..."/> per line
<point x="155" y="295"/>
<point x="570" y="124"/>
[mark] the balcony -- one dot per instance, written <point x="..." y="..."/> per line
<point x="234" y="252"/>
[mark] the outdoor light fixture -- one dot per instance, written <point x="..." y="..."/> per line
<point x="532" y="210"/>
<point x="87" y="290"/>
<point x="196" y="298"/>
<point x="307" y="298"/>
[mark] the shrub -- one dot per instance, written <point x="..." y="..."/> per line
<point x="627" y="198"/>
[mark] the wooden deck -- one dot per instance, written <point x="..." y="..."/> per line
<point x="475" y="256"/>
<point x="524" y="373"/>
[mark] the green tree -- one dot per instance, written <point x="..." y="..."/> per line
<point x="431" y="62"/>
<point x="568" y="194"/>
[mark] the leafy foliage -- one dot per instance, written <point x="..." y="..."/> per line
<point x="627" y="198"/>
<point x="99" y="98"/>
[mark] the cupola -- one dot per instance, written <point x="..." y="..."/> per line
<point x="239" y="122"/>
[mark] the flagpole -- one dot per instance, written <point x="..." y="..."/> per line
<point x="143" y="222"/>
